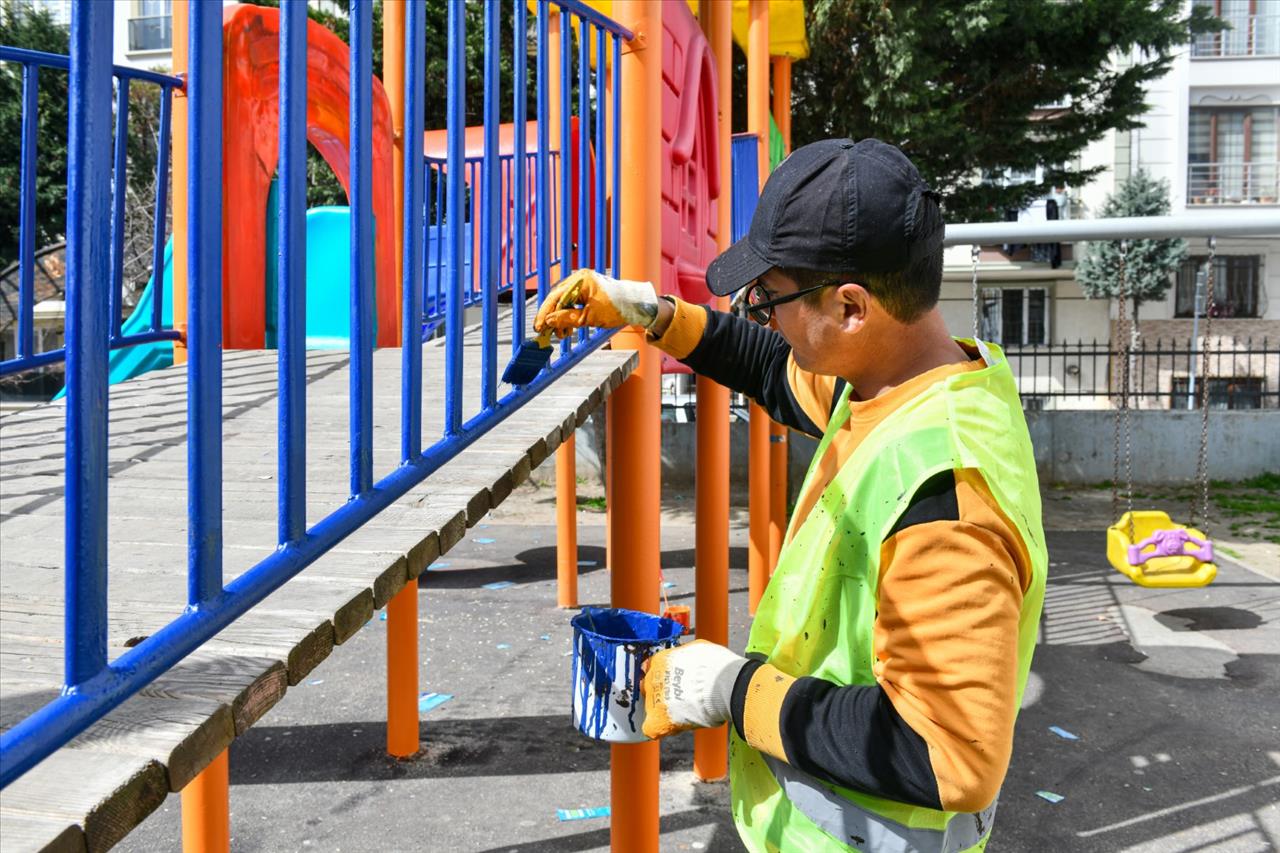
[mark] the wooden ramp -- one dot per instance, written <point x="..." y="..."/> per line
<point x="89" y="794"/>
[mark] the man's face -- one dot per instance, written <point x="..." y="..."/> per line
<point x="813" y="330"/>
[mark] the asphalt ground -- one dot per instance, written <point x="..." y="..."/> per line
<point x="1173" y="698"/>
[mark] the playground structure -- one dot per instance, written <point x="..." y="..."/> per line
<point x="510" y="224"/>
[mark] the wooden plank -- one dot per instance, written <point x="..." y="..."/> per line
<point x="110" y="796"/>
<point x="26" y="833"/>
<point x="181" y="735"/>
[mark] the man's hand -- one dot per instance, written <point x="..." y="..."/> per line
<point x="589" y="298"/>
<point x="689" y="687"/>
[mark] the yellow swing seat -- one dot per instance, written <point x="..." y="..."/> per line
<point x="1162" y="554"/>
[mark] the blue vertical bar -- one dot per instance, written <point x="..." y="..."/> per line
<point x="158" y="227"/>
<point x="88" y="274"/>
<point x="491" y="207"/>
<point x="455" y="173"/>
<point x="204" y="303"/>
<point x="361" y="166"/>
<point x="566" y="145"/>
<point x="584" y="145"/>
<point x="519" y="177"/>
<point x="411" y="286"/>
<point x="291" y="285"/>
<point x="598" y="207"/>
<point x="27" y="212"/>
<point x="542" y="195"/>
<point x="616" y="258"/>
<point x="118" y="192"/>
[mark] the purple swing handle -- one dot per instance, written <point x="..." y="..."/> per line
<point x="1171" y="543"/>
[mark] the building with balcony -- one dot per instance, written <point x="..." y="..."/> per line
<point x="1211" y="131"/>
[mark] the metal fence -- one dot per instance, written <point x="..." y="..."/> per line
<point x="1244" y="373"/>
<point x="27" y="355"/>
<point x="94" y="683"/>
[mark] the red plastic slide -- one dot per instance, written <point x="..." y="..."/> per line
<point x="250" y="148"/>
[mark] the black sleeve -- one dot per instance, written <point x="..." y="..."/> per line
<point x="751" y="359"/>
<point x="853" y="736"/>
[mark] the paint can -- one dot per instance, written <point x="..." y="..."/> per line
<point x="610" y="647"/>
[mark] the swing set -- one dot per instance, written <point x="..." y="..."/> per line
<point x="1147" y="546"/>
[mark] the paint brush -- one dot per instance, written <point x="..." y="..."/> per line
<point x="529" y="360"/>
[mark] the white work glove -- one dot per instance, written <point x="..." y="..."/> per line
<point x="589" y="298"/>
<point x="689" y="687"/>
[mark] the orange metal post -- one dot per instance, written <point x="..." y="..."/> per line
<point x="566" y="467"/>
<point x="634" y="455"/>
<point x="778" y="439"/>
<point x="566" y="525"/>
<point x="206" y="809"/>
<point x="393" y="17"/>
<point x="402" y="610"/>
<point x="711" y="486"/>
<point x="178" y="157"/>
<point x="402" y="672"/>
<point x="759" y="463"/>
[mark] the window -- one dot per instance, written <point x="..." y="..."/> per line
<point x="1229" y="392"/>
<point x="1015" y="316"/>
<point x="1235" y="285"/>
<point x="1232" y="156"/>
<point x="151" y="27"/>
<point x="1253" y="29"/>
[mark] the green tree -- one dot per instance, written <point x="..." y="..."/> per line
<point x="985" y="88"/>
<point x="22" y="26"/>
<point x="1149" y="265"/>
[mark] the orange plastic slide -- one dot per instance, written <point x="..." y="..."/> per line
<point x="250" y="148"/>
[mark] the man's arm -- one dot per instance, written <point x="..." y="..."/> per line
<point x="747" y="358"/>
<point x="936" y="729"/>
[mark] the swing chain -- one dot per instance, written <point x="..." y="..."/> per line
<point x="1202" y="462"/>
<point x="977" y="322"/>
<point x="1122" y="411"/>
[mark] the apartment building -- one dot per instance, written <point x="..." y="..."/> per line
<point x="1211" y="132"/>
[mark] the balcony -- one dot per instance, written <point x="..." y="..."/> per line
<point x="1250" y="35"/>
<point x="148" y="34"/>
<point x="1255" y="182"/>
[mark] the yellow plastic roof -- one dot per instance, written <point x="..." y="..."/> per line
<point x="786" y="24"/>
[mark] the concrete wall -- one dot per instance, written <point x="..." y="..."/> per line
<point x="1070" y="447"/>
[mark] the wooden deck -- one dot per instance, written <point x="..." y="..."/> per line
<point x="88" y="795"/>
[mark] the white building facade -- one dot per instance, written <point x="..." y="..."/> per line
<point x="1211" y="133"/>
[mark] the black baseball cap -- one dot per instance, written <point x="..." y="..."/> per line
<point x="835" y="205"/>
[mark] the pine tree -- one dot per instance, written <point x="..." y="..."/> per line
<point x="1149" y="265"/>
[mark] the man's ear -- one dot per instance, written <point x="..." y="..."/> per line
<point x="855" y="303"/>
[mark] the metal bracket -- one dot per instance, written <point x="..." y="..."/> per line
<point x="639" y="39"/>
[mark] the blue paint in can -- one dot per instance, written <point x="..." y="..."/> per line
<point x="605" y="640"/>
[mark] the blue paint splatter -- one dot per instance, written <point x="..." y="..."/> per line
<point x="545" y="637"/>
<point x="499" y="584"/>
<point x="382" y="616"/>
<point x="504" y="645"/>
<point x="438" y="564"/>
<point x="668" y="584"/>
<point x="582" y="814"/>
<point x="427" y="701"/>
<point x="484" y="541"/>
<point x="582" y="563"/>
<point x="1063" y="733"/>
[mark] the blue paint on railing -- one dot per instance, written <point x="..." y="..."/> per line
<point x="96" y="685"/>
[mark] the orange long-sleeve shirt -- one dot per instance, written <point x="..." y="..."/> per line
<point x="937" y="727"/>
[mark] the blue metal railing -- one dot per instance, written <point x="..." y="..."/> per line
<point x="32" y="61"/>
<point x="95" y="685"/>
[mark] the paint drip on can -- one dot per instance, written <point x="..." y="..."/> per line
<point x="610" y="647"/>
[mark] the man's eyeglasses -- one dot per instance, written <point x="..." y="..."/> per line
<point x="760" y="307"/>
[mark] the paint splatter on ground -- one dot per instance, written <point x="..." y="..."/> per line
<point x="1050" y="796"/>
<point x="484" y="541"/>
<point x="438" y="564"/>
<point x="582" y="814"/>
<point x="1063" y="733"/>
<point x="427" y="701"/>
<point x="499" y="584"/>
<point x="504" y="645"/>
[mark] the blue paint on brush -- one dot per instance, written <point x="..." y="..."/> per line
<point x="598" y="634"/>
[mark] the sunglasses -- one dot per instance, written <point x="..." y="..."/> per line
<point x="760" y="308"/>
